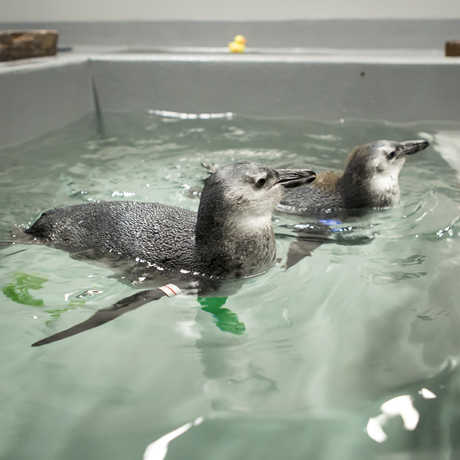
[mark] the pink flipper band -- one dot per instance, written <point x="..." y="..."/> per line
<point x="170" y="290"/>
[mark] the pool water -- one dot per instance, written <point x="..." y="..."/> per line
<point x="350" y="354"/>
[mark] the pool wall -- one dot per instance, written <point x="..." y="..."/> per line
<point x="316" y="33"/>
<point x="41" y="95"/>
<point x="326" y="89"/>
<point x="393" y="84"/>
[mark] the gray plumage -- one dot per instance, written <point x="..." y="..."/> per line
<point x="311" y="201"/>
<point x="230" y="236"/>
<point x="152" y="233"/>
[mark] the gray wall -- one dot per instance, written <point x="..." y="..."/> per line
<point x="41" y="96"/>
<point x="38" y="96"/>
<point x="320" y="35"/>
<point x="151" y="10"/>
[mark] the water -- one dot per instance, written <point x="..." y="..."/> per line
<point x="296" y="364"/>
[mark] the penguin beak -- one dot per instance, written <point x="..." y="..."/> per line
<point x="410" y="147"/>
<point x="294" y="177"/>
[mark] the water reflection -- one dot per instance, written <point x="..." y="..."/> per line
<point x="226" y="320"/>
<point x="191" y="116"/>
<point x="158" y="449"/>
<point x="402" y="406"/>
<point x="413" y="408"/>
<point x="18" y="290"/>
<point x="399" y="406"/>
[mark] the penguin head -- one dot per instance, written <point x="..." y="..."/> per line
<point x="371" y="176"/>
<point x="248" y="188"/>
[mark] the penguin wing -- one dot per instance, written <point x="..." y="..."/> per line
<point x="108" y="314"/>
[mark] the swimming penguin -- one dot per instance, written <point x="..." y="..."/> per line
<point x="370" y="180"/>
<point x="231" y="236"/>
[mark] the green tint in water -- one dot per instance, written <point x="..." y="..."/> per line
<point x="351" y="354"/>
<point x="18" y="291"/>
<point x="226" y="320"/>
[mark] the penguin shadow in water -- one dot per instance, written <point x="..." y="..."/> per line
<point x="229" y="238"/>
<point x="370" y="181"/>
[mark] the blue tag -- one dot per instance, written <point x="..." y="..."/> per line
<point x="330" y="222"/>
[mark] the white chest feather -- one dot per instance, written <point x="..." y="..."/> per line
<point x="386" y="187"/>
<point x="249" y="223"/>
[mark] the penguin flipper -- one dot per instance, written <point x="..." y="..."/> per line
<point x="107" y="314"/>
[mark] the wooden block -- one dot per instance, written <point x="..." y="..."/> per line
<point x="453" y="48"/>
<point x="21" y="44"/>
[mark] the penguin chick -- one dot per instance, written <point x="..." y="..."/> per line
<point x="370" y="180"/>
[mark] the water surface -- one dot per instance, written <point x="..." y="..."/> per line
<point x="350" y="354"/>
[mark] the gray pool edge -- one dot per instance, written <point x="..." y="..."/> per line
<point x="41" y="95"/>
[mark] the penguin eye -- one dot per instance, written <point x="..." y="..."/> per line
<point x="260" y="182"/>
<point x="391" y="155"/>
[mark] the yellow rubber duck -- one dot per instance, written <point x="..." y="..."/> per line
<point x="238" y="45"/>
